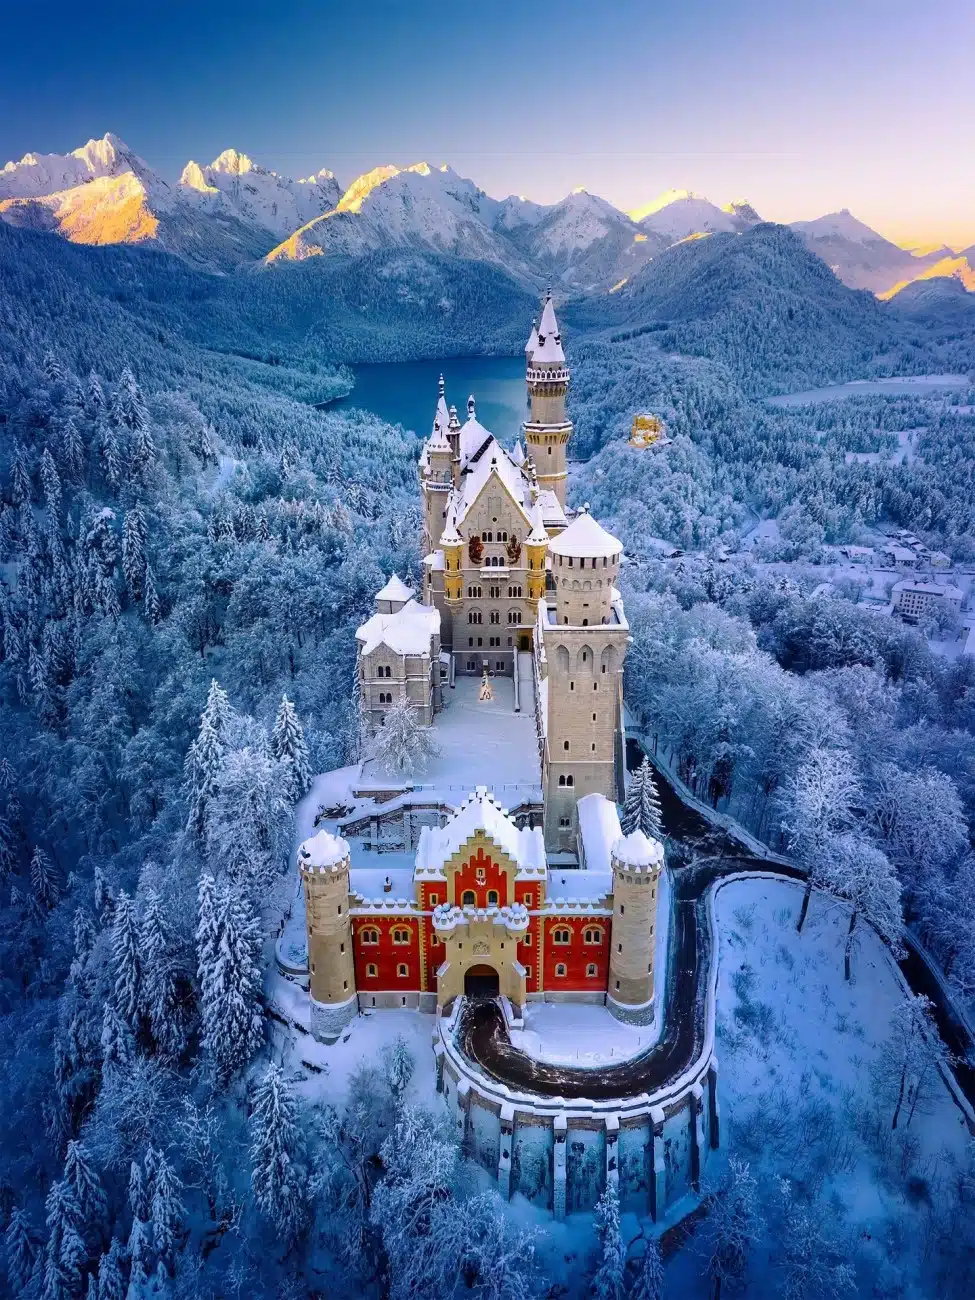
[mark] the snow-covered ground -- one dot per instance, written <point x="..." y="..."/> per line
<point x="483" y="743"/>
<point x="577" y="1034"/>
<point x="896" y="386"/>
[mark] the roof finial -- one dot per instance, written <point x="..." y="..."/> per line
<point x="470" y="407"/>
<point x="441" y="386"/>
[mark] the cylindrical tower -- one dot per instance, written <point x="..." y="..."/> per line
<point x="323" y="862"/>
<point x="547" y="429"/>
<point x="585" y="567"/>
<point x="536" y="546"/>
<point x="637" y="863"/>
<point x="452" y="545"/>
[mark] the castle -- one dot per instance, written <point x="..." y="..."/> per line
<point x="512" y="588"/>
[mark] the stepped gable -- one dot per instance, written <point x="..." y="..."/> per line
<point x="480" y="811"/>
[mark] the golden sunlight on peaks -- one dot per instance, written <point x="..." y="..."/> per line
<point x="360" y="189"/>
<point x="661" y="201"/>
<point x="107" y="210"/>
<point x="295" y="248"/>
<point x="619" y="284"/>
<point x="959" y="268"/>
<point x="639" y="239"/>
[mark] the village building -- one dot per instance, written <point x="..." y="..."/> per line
<point x="914" y="599"/>
<point x="553" y="903"/>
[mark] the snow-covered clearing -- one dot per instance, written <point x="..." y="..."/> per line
<point x="483" y="743"/>
<point x="896" y="386"/>
<point x="579" y="1034"/>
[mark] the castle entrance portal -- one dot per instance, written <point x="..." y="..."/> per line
<point x="481" y="982"/>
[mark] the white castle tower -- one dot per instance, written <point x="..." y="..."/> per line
<point x="547" y="430"/>
<point x="584" y="634"/>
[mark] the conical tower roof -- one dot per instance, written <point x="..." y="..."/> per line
<point x="549" y="348"/>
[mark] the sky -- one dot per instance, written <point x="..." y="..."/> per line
<point x="799" y="107"/>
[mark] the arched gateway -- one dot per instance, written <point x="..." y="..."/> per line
<point x="481" y="982"/>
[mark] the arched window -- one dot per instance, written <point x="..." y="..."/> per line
<point x="562" y="936"/>
<point x="401" y="936"/>
<point x="514" y="592"/>
<point x="513" y="616"/>
<point x="570" y="779"/>
<point x="562" y="778"/>
<point x="492" y="898"/>
<point x="591" y="969"/>
<point x="495" y="616"/>
<point x="372" y="970"/>
<point x="474" y="616"/>
<point x="473" y="592"/>
<point x="468" y="899"/>
<point x="594" y="934"/>
<point x="560" y="970"/>
<point x="369" y="936"/>
<point x="487" y="537"/>
<point x="402" y="970"/>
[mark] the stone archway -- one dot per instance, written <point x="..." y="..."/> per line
<point x="481" y="982"/>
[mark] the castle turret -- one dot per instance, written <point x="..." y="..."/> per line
<point x="585" y="635"/>
<point x="637" y="862"/>
<point x="585" y="568"/>
<point x="436" y="474"/>
<point x="323" y="862"/>
<point x="547" y="429"/>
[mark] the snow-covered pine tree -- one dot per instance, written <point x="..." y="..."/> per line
<point x="126" y="969"/>
<point x="205" y="755"/>
<point x="144" y="453"/>
<point x="51" y="481"/>
<point x="138" y="1192"/>
<point x="44" y="881"/>
<point x="649" y="1283"/>
<point x="160" y="1000"/>
<point x="608" y="1284"/>
<point x="111" y="1283"/>
<point x="117" y="1046"/>
<point x="21" y="1249"/>
<point x="278" y="1174"/>
<point x="65" y="1248"/>
<point x="128" y="407"/>
<point x="641" y="810"/>
<point x="137" y="1249"/>
<point x="83" y="1179"/>
<point x="134" y="534"/>
<point x="151" y="605"/>
<point x="288" y="745"/>
<point x="230" y="984"/>
<point x="103" y="894"/>
<point x="110" y="453"/>
<point x="84" y="942"/>
<point x="166" y="1208"/>
<point x="400" y="1065"/>
<point x="402" y="745"/>
<point x="858" y="872"/>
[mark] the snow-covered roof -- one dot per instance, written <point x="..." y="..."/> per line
<point x="323" y="852"/>
<point x="552" y="512"/>
<point x="549" y="349"/>
<point x="407" y="632"/>
<point x="572" y="889"/>
<point x="473" y="436"/>
<point x="638" y="851"/>
<point x="434" y="561"/>
<point x="585" y="537"/>
<point x="480" y="811"/>
<point x="395" y="589"/>
<point x="518" y="454"/>
<point x="494" y="461"/>
<point x="599" y="826"/>
<point x="369" y="884"/>
<point x="532" y="343"/>
<point x="946" y="589"/>
<point x="450" y="536"/>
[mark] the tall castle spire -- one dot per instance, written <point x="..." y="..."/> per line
<point x="547" y="430"/>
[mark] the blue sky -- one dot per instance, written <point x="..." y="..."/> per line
<point x="800" y="107"/>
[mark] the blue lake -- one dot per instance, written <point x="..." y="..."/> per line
<point x="405" y="392"/>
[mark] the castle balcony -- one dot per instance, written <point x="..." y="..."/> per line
<point x="560" y="376"/>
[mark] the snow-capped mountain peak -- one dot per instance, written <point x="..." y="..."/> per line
<point x="36" y="175"/>
<point x="235" y="184"/>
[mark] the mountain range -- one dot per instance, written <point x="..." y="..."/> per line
<point x="232" y="214"/>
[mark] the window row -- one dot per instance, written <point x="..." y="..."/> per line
<point x="595" y="562"/>
<point x="494" y="537"/>
<point x="402" y="971"/>
<point x="561" y="970"/>
<point x="594" y="934"/>
<point x="474" y="592"/>
<point x="400" y="935"/>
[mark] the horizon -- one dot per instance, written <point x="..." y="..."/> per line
<point x="801" y="114"/>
